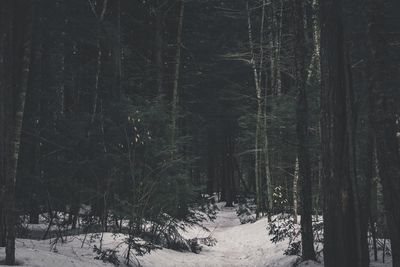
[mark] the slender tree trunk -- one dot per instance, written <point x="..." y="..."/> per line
<point x="307" y="238"/>
<point x="228" y="167"/>
<point x="275" y="46"/>
<point x="3" y="133"/>
<point x="96" y="83"/>
<point x="35" y="96"/>
<point x="278" y="47"/>
<point x="295" y="191"/>
<point x="159" y="49"/>
<point x="373" y="181"/>
<point x="314" y="67"/>
<point x="257" y="147"/>
<point x="175" y="89"/>
<point x="268" y="191"/>
<point x="100" y="16"/>
<point x="268" y="177"/>
<point x="118" y="55"/>
<point x="261" y="142"/>
<point x="383" y="93"/>
<point x="272" y="46"/>
<point x="211" y="160"/>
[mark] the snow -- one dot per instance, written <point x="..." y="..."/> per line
<point x="244" y="245"/>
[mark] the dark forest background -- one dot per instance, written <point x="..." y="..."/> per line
<point x="143" y="110"/>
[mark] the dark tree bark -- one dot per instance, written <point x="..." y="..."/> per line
<point x="159" y="48"/>
<point x="383" y="93"/>
<point x="342" y="234"/>
<point x="177" y="71"/>
<point x="2" y="128"/>
<point x="373" y="187"/>
<point x="34" y="94"/>
<point x="100" y="14"/>
<point x="211" y="160"/>
<point x="15" y="38"/>
<point x="307" y="238"/>
<point x="228" y="168"/>
<point x="118" y="55"/>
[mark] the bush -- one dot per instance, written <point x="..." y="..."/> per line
<point x="107" y="255"/>
<point x="245" y="213"/>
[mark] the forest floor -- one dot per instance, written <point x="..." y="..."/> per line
<point x="237" y="245"/>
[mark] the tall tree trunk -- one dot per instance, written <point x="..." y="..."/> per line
<point x="275" y="46"/>
<point x="383" y="93"/>
<point x="100" y="16"/>
<point x="307" y="238"/>
<point x="341" y="237"/>
<point x="360" y="218"/>
<point x="159" y="49"/>
<point x="3" y="132"/>
<point x="16" y="29"/>
<point x="261" y="141"/>
<point x="268" y="191"/>
<point x="370" y="169"/>
<point x="257" y="146"/>
<point x="118" y="55"/>
<point x="175" y="89"/>
<point x="34" y="106"/>
<point x="314" y="67"/>
<point x="295" y="191"/>
<point x="228" y="166"/>
<point x="2" y="127"/>
<point x="211" y="160"/>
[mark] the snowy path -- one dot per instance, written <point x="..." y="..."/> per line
<point x="238" y="245"/>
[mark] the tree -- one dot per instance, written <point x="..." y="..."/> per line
<point x="15" y="65"/>
<point x="261" y="159"/>
<point x="343" y="245"/>
<point x="384" y="96"/>
<point x="177" y="71"/>
<point x="303" y="135"/>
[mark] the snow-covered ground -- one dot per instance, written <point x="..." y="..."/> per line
<point x="237" y="245"/>
<point x="246" y="245"/>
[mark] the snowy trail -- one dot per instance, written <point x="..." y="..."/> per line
<point x="238" y="245"/>
<point x="246" y="245"/>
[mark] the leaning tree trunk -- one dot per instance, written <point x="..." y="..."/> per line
<point x="307" y="238"/>
<point x="383" y="92"/>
